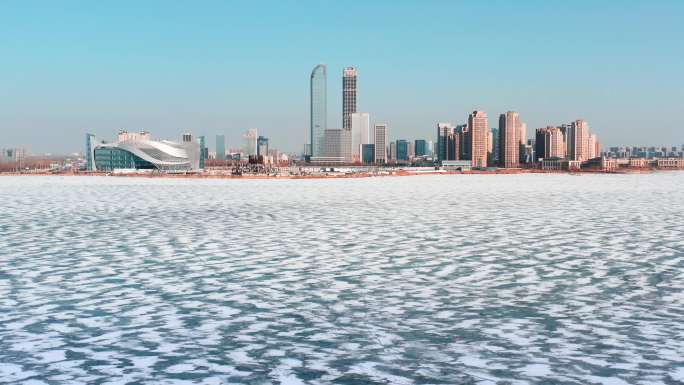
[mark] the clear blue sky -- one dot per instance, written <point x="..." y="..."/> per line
<point x="209" y="67"/>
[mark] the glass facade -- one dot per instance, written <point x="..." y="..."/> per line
<point x="204" y="151"/>
<point x="109" y="158"/>
<point x="262" y="146"/>
<point x="90" y="161"/>
<point x="420" y="147"/>
<point x="220" y="147"/>
<point x="368" y="153"/>
<point x="402" y="149"/>
<point x="319" y="113"/>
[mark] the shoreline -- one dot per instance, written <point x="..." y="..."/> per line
<point x="396" y="173"/>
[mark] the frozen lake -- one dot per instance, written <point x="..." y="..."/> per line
<point x="465" y="279"/>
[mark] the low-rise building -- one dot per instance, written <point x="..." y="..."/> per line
<point x="638" y="162"/>
<point x="670" y="162"/>
<point x="137" y="151"/>
<point x="560" y="164"/>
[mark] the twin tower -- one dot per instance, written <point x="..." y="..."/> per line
<point x="319" y="113"/>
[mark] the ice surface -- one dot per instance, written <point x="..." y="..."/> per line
<point x="507" y="279"/>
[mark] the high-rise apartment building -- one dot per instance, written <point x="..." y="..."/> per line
<point x="360" y="133"/>
<point x="577" y="139"/>
<point x="490" y="143"/>
<point x="522" y="142"/>
<point x="554" y="145"/>
<point x="509" y="144"/>
<point x="522" y="132"/>
<point x="220" y="147"/>
<point x="349" y="76"/>
<point x="597" y="147"/>
<point x="591" y="146"/>
<point x="319" y="110"/>
<point x="478" y="126"/>
<point x="380" y="133"/>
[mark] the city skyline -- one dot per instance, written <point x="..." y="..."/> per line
<point x="63" y="77"/>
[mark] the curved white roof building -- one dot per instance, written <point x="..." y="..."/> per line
<point x="139" y="151"/>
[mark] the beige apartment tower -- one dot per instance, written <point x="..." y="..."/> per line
<point x="577" y="140"/>
<point x="478" y="127"/>
<point x="509" y="142"/>
<point x="554" y="145"/>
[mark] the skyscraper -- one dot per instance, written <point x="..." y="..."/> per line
<point x="577" y="139"/>
<point x="90" y="152"/>
<point x="360" y="133"/>
<point x="220" y="147"/>
<point x="509" y="144"/>
<point x="539" y="143"/>
<point x="443" y="130"/>
<point x="367" y="153"/>
<point x="402" y="150"/>
<point x="465" y="142"/>
<point x="591" y="146"/>
<point x="420" y="147"/>
<point x="250" y="138"/>
<point x="319" y="110"/>
<point x="495" y="145"/>
<point x="554" y="145"/>
<point x="380" y="135"/>
<point x="348" y="96"/>
<point x="478" y="126"/>
<point x="204" y="151"/>
<point x="453" y="146"/>
<point x="262" y="146"/>
<point x="521" y="134"/>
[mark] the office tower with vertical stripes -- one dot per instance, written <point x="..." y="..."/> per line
<point x="349" y="75"/>
<point x="380" y="136"/>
